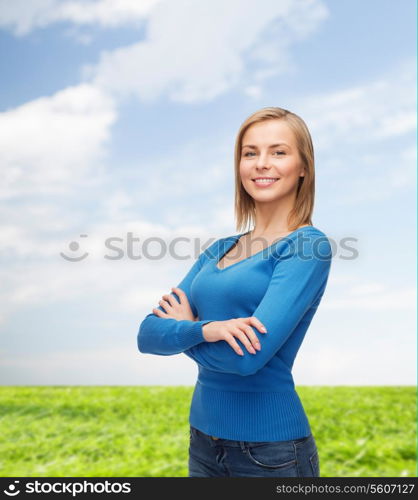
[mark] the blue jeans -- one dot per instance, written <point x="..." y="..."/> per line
<point x="209" y="457"/>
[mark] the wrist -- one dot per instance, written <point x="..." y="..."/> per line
<point x="206" y="328"/>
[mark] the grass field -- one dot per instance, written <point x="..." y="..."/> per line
<point x="130" y="431"/>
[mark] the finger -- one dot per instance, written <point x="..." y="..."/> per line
<point x="165" y="304"/>
<point x="244" y="339"/>
<point x="182" y="296"/>
<point x="232" y="342"/>
<point x="257" y="323"/>
<point x="171" y="300"/>
<point x="252" y="336"/>
<point x="159" y="313"/>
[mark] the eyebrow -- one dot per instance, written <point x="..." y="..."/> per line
<point x="272" y="146"/>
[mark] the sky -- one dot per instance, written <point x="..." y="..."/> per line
<point x="118" y="120"/>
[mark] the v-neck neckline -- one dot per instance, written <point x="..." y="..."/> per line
<point x="235" y="241"/>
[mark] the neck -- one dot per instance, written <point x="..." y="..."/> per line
<point x="271" y="217"/>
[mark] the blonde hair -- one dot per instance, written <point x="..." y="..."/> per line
<point x="302" y="211"/>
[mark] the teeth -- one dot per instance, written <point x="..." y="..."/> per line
<point x="265" y="181"/>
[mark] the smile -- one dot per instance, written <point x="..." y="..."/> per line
<point x="264" y="182"/>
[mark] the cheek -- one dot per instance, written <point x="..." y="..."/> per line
<point x="244" y="172"/>
<point x="287" y="170"/>
<point x="290" y="167"/>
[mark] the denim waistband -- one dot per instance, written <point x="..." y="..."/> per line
<point x="215" y="440"/>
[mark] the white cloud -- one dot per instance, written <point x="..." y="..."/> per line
<point x="51" y="143"/>
<point x="398" y="299"/>
<point x="380" y="176"/>
<point x="382" y="363"/>
<point x="366" y="188"/>
<point x="105" y="12"/>
<point x="110" y="365"/>
<point x="196" y="51"/>
<point x="355" y="130"/>
<point x="23" y="16"/>
<point x="353" y="293"/>
<point x="372" y="111"/>
<point x="254" y="91"/>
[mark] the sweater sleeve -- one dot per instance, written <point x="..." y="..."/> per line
<point x="167" y="336"/>
<point x="298" y="282"/>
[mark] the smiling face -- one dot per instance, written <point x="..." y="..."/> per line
<point x="269" y="152"/>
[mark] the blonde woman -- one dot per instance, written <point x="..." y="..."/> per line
<point x="244" y="307"/>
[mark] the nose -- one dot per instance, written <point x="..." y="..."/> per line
<point x="262" y="161"/>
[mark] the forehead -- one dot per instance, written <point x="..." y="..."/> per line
<point x="263" y="134"/>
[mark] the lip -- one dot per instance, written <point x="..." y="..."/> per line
<point x="267" y="184"/>
<point x="256" y="178"/>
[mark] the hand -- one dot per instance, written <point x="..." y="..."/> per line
<point x="173" y="308"/>
<point x="238" y="327"/>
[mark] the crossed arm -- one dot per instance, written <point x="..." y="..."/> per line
<point x="167" y="336"/>
<point x="296" y="285"/>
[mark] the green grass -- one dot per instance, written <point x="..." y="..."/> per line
<point x="130" y="431"/>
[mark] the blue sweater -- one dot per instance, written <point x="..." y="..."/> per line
<point x="250" y="397"/>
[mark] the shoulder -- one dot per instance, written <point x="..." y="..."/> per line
<point x="318" y="240"/>
<point x="308" y="241"/>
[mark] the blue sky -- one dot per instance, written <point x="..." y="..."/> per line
<point x="119" y="116"/>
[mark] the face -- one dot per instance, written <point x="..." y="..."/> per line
<point x="269" y="151"/>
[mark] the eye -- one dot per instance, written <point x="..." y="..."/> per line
<point x="251" y="153"/>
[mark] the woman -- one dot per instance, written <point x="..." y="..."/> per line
<point x="261" y="288"/>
